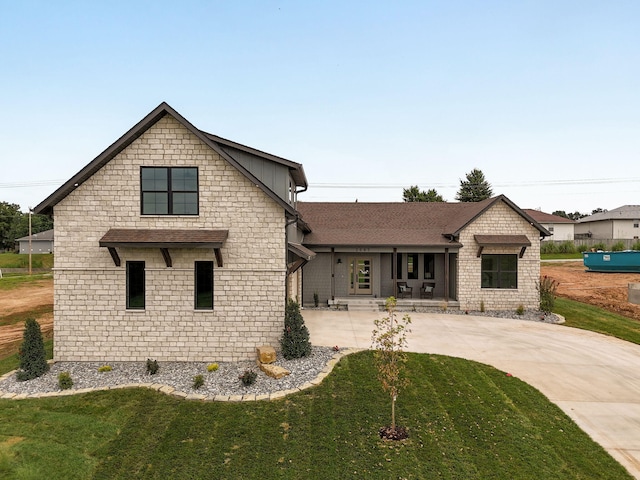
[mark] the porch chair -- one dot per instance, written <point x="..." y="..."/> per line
<point x="404" y="290"/>
<point x="426" y="291"/>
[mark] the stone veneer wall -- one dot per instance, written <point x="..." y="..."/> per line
<point x="91" y="319"/>
<point x="500" y="219"/>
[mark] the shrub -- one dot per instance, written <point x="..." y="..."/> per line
<point x="548" y="247"/>
<point x="582" y="248"/>
<point x="33" y="358"/>
<point x="635" y="246"/>
<point x="316" y="299"/>
<point x="64" y="381"/>
<point x="105" y="368"/>
<point x="547" y="289"/>
<point x="212" y="367"/>
<point x="599" y="246"/>
<point x="295" y="339"/>
<point x="520" y="310"/>
<point x="617" y="247"/>
<point x="152" y="366"/>
<point x="198" y="381"/>
<point x="567" y="247"/>
<point x="248" y="377"/>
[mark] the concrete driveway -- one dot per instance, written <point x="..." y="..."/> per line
<point x="593" y="378"/>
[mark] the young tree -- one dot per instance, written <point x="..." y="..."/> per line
<point x="414" y="194"/>
<point x="295" y="338"/>
<point x="475" y="188"/>
<point x="389" y="337"/>
<point x="33" y="358"/>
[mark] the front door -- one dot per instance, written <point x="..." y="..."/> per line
<point x="360" y="276"/>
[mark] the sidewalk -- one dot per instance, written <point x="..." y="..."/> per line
<point x="593" y="378"/>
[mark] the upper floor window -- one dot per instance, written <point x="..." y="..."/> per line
<point x="500" y="271"/>
<point x="169" y="190"/>
<point x="636" y="223"/>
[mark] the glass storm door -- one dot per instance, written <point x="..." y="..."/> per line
<point x="360" y="276"/>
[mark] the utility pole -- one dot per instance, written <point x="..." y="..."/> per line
<point x="29" y="240"/>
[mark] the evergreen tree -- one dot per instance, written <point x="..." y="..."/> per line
<point x="33" y="358"/>
<point x="414" y="194"/>
<point x="295" y="339"/>
<point x="475" y="188"/>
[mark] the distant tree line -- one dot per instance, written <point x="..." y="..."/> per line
<point x="576" y="215"/>
<point x="14" y="224"/>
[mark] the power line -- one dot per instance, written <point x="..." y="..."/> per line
<point x="537" y="183"/>
<point x="36" y="183"/>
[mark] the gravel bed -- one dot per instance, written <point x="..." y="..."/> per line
<point x="179" y="375"/>
<point x="530" y="315"/>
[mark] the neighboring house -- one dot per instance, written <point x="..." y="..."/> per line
<point x="40" y="242"/>
<point x="471" y="255"/>
<point x="561" y="228"/>
<point x="174" y="244"/>
<point x="622" y="223"/>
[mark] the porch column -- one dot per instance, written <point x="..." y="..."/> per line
<point x="333" y="274"/>
<point x="394" y="270"/>
<point x="446" y="274"/>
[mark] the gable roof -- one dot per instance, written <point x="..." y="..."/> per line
<point x="626" y="212"/>
<point x="395" y="224"/>
<point x="46" y="235"/>
<point x="543" y="217"/>
<point x="215" y="143"/>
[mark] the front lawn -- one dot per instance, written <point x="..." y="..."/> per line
<point x="466" y="421"/>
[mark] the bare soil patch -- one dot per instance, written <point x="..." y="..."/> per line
<point x="605" y="290"/>
<point x="26" y="300"/>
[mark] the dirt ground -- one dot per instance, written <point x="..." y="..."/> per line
<point x="21" y="300"/>
<point x="604" y="290"/>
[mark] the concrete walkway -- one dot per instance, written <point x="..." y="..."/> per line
<point x="593" y="378"/>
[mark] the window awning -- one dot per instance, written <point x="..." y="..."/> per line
<point x="164" y="239"/>
<point x="521" y="241"/>
<point x="303" y="253"/>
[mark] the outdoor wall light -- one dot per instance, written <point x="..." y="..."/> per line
<point x="339" y="261"/>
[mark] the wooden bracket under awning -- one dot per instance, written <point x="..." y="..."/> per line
<point x="164" y="240"/>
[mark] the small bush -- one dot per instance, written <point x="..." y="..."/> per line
<point x="567" y="247"/>
<point x="33" y="358"/>
<point x="198" y="381"/>
<point x="248" y="377"/>
<point x="295" y="338"/>
<point x="547" y="289"/>
<point x="152" y="366"/>
<point x="582" y="248"/>
<point x="212" y="367"/>
<point x="599" y="246"/>
<point x="617" y="247"/>
<point x="520" y="310"/>
<point x="105" y="368"/>
<point x="482" y="306"/>
<point x="635" y="246"/>
<point x="548" y="247"/>
<point x="316" y="299"/>
<point x="64" y="381"/>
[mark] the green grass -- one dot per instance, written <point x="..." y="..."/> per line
<point x="560" y="256"/>
<point x="588" y="317"/>
<point x="17" y="260"/>
<point x="14" y="281"/>
<point x="466" y="421"/>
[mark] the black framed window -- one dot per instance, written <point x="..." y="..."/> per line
<point x="412" y="265"/>
<point x="500" y="271"/>
<point x="169" y="190"/>
<point x="429" y="266"/>
<point x="204" y="285"/>
<point x="398" y="266"/>
<point x="135" y="286"/>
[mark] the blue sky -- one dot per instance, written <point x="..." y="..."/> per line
<point x="371" y="97"/>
